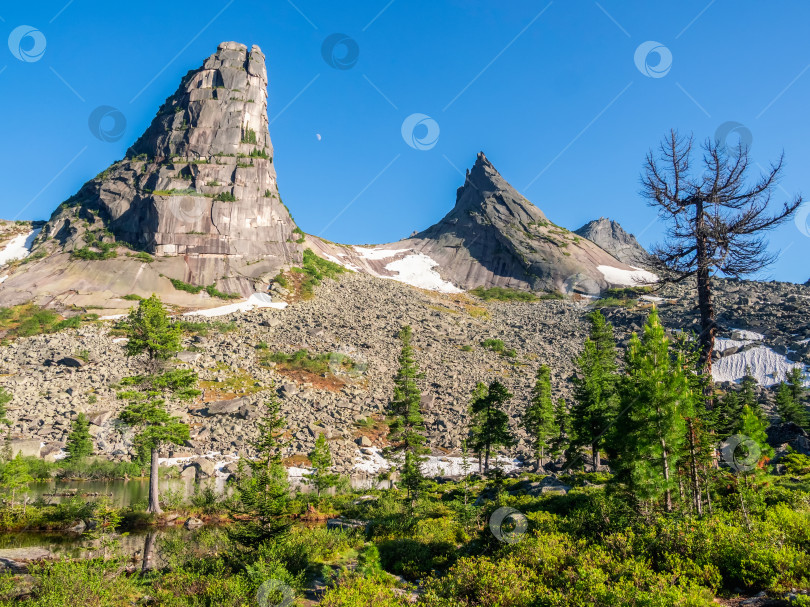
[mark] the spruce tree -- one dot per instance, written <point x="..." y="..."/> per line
<point x="490" y="424"/>
<point x="150" y="331"/>
<point x="321" y="459"/>
<point x="407" y="426"/>
<point x="15" y="476"/>
<point x="752" y="426"/>
<point x="539" y="418"/>
<point x="728" y="413"/>
<point x="595" y="396"/>
<point x="79" y="442"/>
<point x="790" y="410"/>
<point x="155" y="428"/>
<point x="263" y="495"/>
<point x="655" y="398"/>
<point x="562" y="421"/>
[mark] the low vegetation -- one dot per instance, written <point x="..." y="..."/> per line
<point x="503" y="294"/>
<point x="317" y="364"/>
<point x="27" y="320"/>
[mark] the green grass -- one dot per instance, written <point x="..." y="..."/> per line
<point x="317" y="364"/>
<point x="204" y="328"/>
<point x="300" y="232"/>
<point x="194" y="289"/>
<point x="503" y="294"/>
<point x="132" y="297"/>
<point x="27" y="320"/>
<point x="316" y="269"/>
<point x="627" y="292"/>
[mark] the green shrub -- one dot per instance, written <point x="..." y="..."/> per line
<point x="503" y="294"/>
<point x="225" y="197"/>
<point x="496" y="345"/>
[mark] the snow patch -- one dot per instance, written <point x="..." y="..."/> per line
<point x="257" y="300"/>
<point x="417" y="270"/>
<point x="376" y="254"/>
<point x="371" y="461"/>
<point x="340" y="262"/>
<point x="745" y="334"/>
<point x="765" y="365"/>
<point x="627" y="278"/>
<point x="18" y="247"/>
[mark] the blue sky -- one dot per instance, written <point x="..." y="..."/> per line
<point x="549" y="91"/>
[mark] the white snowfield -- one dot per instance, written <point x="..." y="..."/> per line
<point x="257" y="300"/>
<point x="627" y="278"/>
<point x="18" y="247"/>
<point x="372" y="462"/>
<point x="417" y="270"/>
<point x="375" y="254"/>
<point x="768" y="367"/>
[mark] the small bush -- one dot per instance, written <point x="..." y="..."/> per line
<point x="503" y="294"/>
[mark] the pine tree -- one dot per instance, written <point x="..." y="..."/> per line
<point x="263" y="496"/>
<point x="752" y="426"/>
<point x="539" y="418"/>
<point x="79" y="442"/>
<point x="407" y="426"/>
<point x="151" y="331"/>
<point x="728" y="413"/>
<point x="15" y="477"/>
<point x="595" y="397"/>
<point x="490" y="425"/>
<point x="655" y="399"/>
<point x="321" y="459"/>
<point x="562" y="421"/>
<point x="790" y="410"/>
<point x="748" y="393"/>
<point x="155" y="428"/>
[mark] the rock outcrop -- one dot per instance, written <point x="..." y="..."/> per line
<point x="493" y="236"/>
<point x="609" y="235"/>
<point x="197" y="191"/>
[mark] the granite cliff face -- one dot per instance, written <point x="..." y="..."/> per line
<point x="609" y="235"/>
<point x="493" y="236"/>
<point x="198" y="191"/>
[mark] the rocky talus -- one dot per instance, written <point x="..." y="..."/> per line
<point x="358" y="316"/>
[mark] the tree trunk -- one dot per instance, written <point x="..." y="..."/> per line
<point x="666" y="476"/>
<point x="693" y="471"/>
<point x="486" y="461"/>
<point x="708" y="328"/>
<point x="148" y="551"/>
<point x="597" y="458"/>
<point x="154" y="500"/>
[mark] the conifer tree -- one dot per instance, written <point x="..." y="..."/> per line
<point x="15" y="477"/>
<point x="752" y="426"/>
<point x="539" y="418"/>
<point x="562" y="421"/>
<point x="264" y="493"/>
<point x="5" y="398"/>
<point x="407" y="426"/>
<point x="790" y="410"/>
<point x="155" y="428"/>
<point x="490" y="424"/>
<point x="79" y="442"/>
<point x="655" y="398"/>
<point x="728" y="413"/>
<point x="595" y="396"/>
<point x="321" y="459"/>
<point x="150" y="331"/>
<point x="748" y="393"/>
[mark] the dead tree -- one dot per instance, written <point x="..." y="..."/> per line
<point x="716" y="213"/>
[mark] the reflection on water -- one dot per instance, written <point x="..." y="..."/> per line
<point x="121" y="493"/>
